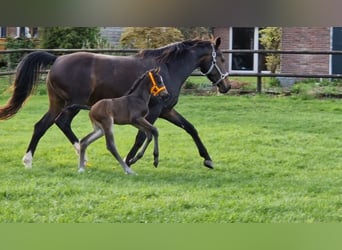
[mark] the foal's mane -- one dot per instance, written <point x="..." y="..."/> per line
<point x="173" y="51"/>
<point x="137" y="82"/>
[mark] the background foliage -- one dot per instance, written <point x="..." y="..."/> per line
<point x="270" y="38"/>
<point x="17" y="43"/>
<point x="70" y="37"/>
<point x="149" y="37"/>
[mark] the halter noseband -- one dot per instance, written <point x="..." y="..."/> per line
<point x="155" y="89"/>
<point x="214" y="65"/>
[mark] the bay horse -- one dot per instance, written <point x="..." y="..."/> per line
<point x="84" y="78"/>
<point x="128" y="109"/>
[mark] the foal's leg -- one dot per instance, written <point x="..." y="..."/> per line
<point x="84" y="143"/>
<point x="141" y="136"/>
<point x="107" y="127"/>
<point x="150" y="131"/>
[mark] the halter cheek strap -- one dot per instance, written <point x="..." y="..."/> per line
<point x="214" y="65"/>
<point x="155" y="89"/>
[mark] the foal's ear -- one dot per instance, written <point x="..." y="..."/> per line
<point x="217" y="42"/>
<point x="157" y="70"/>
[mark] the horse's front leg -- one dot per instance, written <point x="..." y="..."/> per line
<point x="150" y="131"/>
<point x="39" y="130"/>
<point x="174" y="117"/>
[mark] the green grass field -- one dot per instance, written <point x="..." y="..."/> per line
<point x="277" y="159"/>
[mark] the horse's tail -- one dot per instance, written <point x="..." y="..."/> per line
<point x="25" y="81"/>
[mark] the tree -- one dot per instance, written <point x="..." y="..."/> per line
<point x="70" y="37"/>
<point x="270" y="38"/>
<point x="196" y="32"/>
<point x="149" y="37"/>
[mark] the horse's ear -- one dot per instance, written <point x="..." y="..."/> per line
<point x="217" y="42"/>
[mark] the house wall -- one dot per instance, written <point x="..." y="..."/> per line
<point x="305" y="38"/>
<point x="297" y="38"/>
<point x="112" y="34"/>
<point x="223" y="33"/>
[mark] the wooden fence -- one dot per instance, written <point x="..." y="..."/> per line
<point x="259" y="74"/>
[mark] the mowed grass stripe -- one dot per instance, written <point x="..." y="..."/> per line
<point x="276" y="160"/>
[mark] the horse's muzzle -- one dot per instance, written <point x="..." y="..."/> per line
<point x="224" y="86"/>
<point x="164" y="94"/>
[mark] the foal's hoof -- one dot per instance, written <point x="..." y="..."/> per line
<point x="129" y="162"/>
<point x="81" y="170"/>
<point x="209" y="164"/>
<point x="129" y="171"/>
<point x="155" y="164"/>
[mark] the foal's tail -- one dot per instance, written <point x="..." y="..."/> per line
<point x="73" y="107"/>
<point x="25" y="81"/>
<point x="76" y="107"/>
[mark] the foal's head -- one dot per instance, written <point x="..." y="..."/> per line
<point x="158" y="87"/>
<point x="152" y="80"/>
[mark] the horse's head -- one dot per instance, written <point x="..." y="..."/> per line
<point x="158" y="87"/>
<point x="212" y="66"/>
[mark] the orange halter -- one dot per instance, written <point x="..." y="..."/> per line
<point x="155" y="89"/>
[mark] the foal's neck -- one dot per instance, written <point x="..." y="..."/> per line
<point x="142" y="90"/>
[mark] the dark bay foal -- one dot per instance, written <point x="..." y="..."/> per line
<point x="129" y="109"/>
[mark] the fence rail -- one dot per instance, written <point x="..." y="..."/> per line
<point x="259" y="74"/>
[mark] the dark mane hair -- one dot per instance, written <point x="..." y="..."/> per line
<point x="172" y="51"/>
<point x="136" y="83"/>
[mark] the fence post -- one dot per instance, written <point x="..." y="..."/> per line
<point x="259" y="77"/>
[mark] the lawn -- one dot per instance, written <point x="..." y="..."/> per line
<point x="277" y="159"/>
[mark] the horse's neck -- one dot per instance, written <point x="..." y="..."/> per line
<point x="183" y="67"/>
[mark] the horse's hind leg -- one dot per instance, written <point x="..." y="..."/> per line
<point x="63" y="121"/>
<point x="39" y="130"/>
<point x="84" y="143"/>
<point x="112" y="148"/>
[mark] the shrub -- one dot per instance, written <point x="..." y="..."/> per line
<point x="17" y="43"/>
<point x="70" y="37"/>
<point x="147" y="37"/>
<point x="270" y="39"/>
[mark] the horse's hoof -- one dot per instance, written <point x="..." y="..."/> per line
<point x="155" y="164"/>
<point x="209" y="164"/>
<point x="27" y="160"/>
<point x="81" y="170"/>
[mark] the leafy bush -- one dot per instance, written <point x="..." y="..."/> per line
<point x="17" y="43"/>
<point x="270" y="39"/>
<point x="147" y="37"/>
<point x="70" y="37"/>
<point x="196" y="32"/>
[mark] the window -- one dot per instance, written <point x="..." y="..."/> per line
<point x="243" y="39"/>
<point x="336" y="60"/>
<point x="3" y="32"/>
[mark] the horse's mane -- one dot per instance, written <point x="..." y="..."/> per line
<point x="136" y="83"/>
<point x="172" y="51"/>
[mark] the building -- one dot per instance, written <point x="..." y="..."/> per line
<point x="111" y="34"/>
<point x="293" y="38"/>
